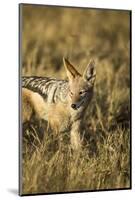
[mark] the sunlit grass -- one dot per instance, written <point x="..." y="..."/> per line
<point x="49" y="34"/>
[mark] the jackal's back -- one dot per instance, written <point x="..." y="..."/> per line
<point x="52" y="90"/>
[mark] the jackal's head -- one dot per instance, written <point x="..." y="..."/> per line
<point x="80" y="86"/>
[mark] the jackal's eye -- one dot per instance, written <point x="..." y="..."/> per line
<point x="82" y="92"/>
<point x="71" y="93"/>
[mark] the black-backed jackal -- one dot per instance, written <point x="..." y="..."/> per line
<point x="61" y="103"/>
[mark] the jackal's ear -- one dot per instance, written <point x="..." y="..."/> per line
<point x="71" y="71"/>
<point x="90" y="72"/>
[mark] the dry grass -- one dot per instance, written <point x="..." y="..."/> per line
<point x="48" y="35"/>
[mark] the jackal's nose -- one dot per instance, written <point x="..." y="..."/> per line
<point x="73" y="106"/>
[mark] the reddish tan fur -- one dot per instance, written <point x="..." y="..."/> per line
<point x="33" y="103"/>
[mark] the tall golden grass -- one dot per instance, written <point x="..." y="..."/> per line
<point x="48" y="34"/>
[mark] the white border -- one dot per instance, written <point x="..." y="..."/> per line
<point x="9" y="97"/>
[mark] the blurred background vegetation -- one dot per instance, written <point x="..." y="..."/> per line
<point x="48" y="35"/>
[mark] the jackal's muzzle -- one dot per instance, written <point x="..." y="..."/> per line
<point x="76" y="106"/>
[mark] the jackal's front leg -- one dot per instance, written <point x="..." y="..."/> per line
<point x="76" y="135"/>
